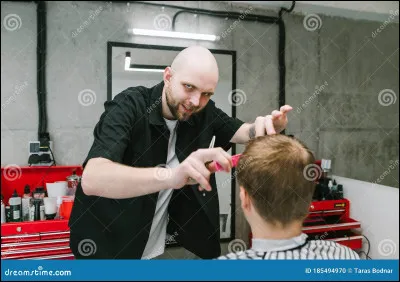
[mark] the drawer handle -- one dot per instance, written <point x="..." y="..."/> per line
<point x="328" y="226"/>
<point x="33" y="251"/>
<point x="51" y="257"/>
<point x="20" y="236"/>
<point x="55" y="233"/>
<point x="34" y="243"/>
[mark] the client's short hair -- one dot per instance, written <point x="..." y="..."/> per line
<point x="272" y="169"/>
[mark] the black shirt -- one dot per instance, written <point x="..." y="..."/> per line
<point x="132" y="131"/>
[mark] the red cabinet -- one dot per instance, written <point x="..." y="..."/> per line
<point x="44" y="239"/>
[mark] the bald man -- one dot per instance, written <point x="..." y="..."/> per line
<point x="146" y="174"/>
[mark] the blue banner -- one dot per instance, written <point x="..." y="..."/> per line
<point x="196" y="270"/>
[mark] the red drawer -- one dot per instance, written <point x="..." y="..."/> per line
<point x="63" y="257"/>
<point x="34" y="245"/>
<point x="36" y="252"/>
<point x="37" y="245"/>
<point x="341" y="224"/>
<point x="20" y="238"/>
<point x="33" y="227"/>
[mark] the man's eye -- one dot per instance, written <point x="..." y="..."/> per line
<point x="188" y="86"/>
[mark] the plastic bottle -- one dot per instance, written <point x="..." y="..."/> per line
<point x="26" y="203"/>
<point x="15" y="206"/>
<point x="36" y="206"/>
<point x="42" y="214"/>
<point x="8" y="214"/>
<point x="334" y="188"/>
<point x="59" y="202"/>
<point x="3" y="210"/>
<point x="41" y="192"/>
<point x="35" y="195"/>
<point x="330" y="185"/>
<point x="340" y="191"/>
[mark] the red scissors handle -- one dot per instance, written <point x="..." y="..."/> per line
<point x="235" y="161"/>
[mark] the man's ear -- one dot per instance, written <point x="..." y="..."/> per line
<point x="168" y="75"/>
<point x="245" y="199"/>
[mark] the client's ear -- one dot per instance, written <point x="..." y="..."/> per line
<point x="245" y="199"/>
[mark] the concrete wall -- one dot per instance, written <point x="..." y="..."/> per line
<point x="346" y="120"/>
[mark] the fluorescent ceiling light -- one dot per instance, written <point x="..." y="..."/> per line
<point x="174" y="34"/>
<point x="143" y="69"/>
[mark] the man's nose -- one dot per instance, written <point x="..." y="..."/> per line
<point x="195" y="100"/>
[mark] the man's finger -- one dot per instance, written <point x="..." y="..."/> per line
<point x="224" y="161"/>
<point x="276" y="114"/>
<point x="269" y="125"/>
<point x="203" y="182"/>
<point x="285" y="109"/>
<point x="211" y="167"/>
<point x="260" y="127"/>
<point x="200" y="167"/>
<point x="207" y="155"/>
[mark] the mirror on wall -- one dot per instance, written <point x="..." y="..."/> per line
<point x="131" y="65"/>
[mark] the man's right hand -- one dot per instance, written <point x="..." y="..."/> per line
<point x="194" y="169"/>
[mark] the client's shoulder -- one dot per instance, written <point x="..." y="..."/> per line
<point x="242" y="255"/>
<point x="328" y="249"/>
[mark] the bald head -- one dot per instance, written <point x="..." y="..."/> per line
<point x="189" y="82"/>
<point x="197" y="60"/>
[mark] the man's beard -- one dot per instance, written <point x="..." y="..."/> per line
<point x="174" y="107"/>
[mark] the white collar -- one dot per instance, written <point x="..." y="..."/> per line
<point x="274" y="245"/>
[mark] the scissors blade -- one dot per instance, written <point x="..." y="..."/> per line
<point x="212" y="142"/>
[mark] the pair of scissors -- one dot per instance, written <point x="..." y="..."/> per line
<point x="218" y="167"/>
<point x="212" y="143"/>
<point x="210" y="147"/>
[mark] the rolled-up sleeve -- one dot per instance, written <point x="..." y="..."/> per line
<point x="112" y="133"/>
<point x="224" y="127"/>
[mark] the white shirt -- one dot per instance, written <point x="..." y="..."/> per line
<point x="156" y="244"/>
<point x="294" y="248"/>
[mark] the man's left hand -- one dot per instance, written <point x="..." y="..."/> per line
<point x="271" y="124"/>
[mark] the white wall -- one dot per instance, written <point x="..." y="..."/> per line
<point x="377" y="208"/>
